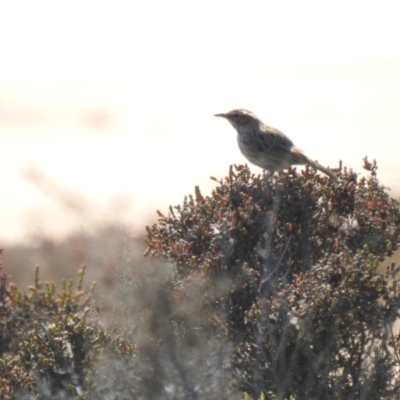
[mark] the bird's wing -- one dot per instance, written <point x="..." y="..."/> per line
<point x="275" y="140"/>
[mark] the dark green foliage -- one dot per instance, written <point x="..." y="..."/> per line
<point x="289" y="268"/>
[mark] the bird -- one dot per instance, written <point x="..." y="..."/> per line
<point x="267" y="147"/>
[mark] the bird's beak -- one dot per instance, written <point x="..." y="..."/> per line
<point x="220" y="115"/>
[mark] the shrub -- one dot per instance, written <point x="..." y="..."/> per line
<point x="288" y="267"/>
<point x="48" y="342"/>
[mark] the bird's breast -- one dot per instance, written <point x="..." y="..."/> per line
<point x="250" y="150"/>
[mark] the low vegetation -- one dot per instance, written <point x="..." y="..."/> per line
<point x="269" y="289"/>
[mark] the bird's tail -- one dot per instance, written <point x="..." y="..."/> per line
<point x="320" y="167"/>
<point x="298" y="157"/>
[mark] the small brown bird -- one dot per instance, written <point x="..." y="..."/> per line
<point x="266" y="146"/>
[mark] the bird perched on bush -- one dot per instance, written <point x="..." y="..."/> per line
<point x="266" y="146"/>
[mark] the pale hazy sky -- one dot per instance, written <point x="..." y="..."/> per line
<point x="106" y="107"/>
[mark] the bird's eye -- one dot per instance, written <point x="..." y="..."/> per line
<point x="235" y="116"/>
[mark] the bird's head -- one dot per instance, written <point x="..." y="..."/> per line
<point x="239" y="118"/>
